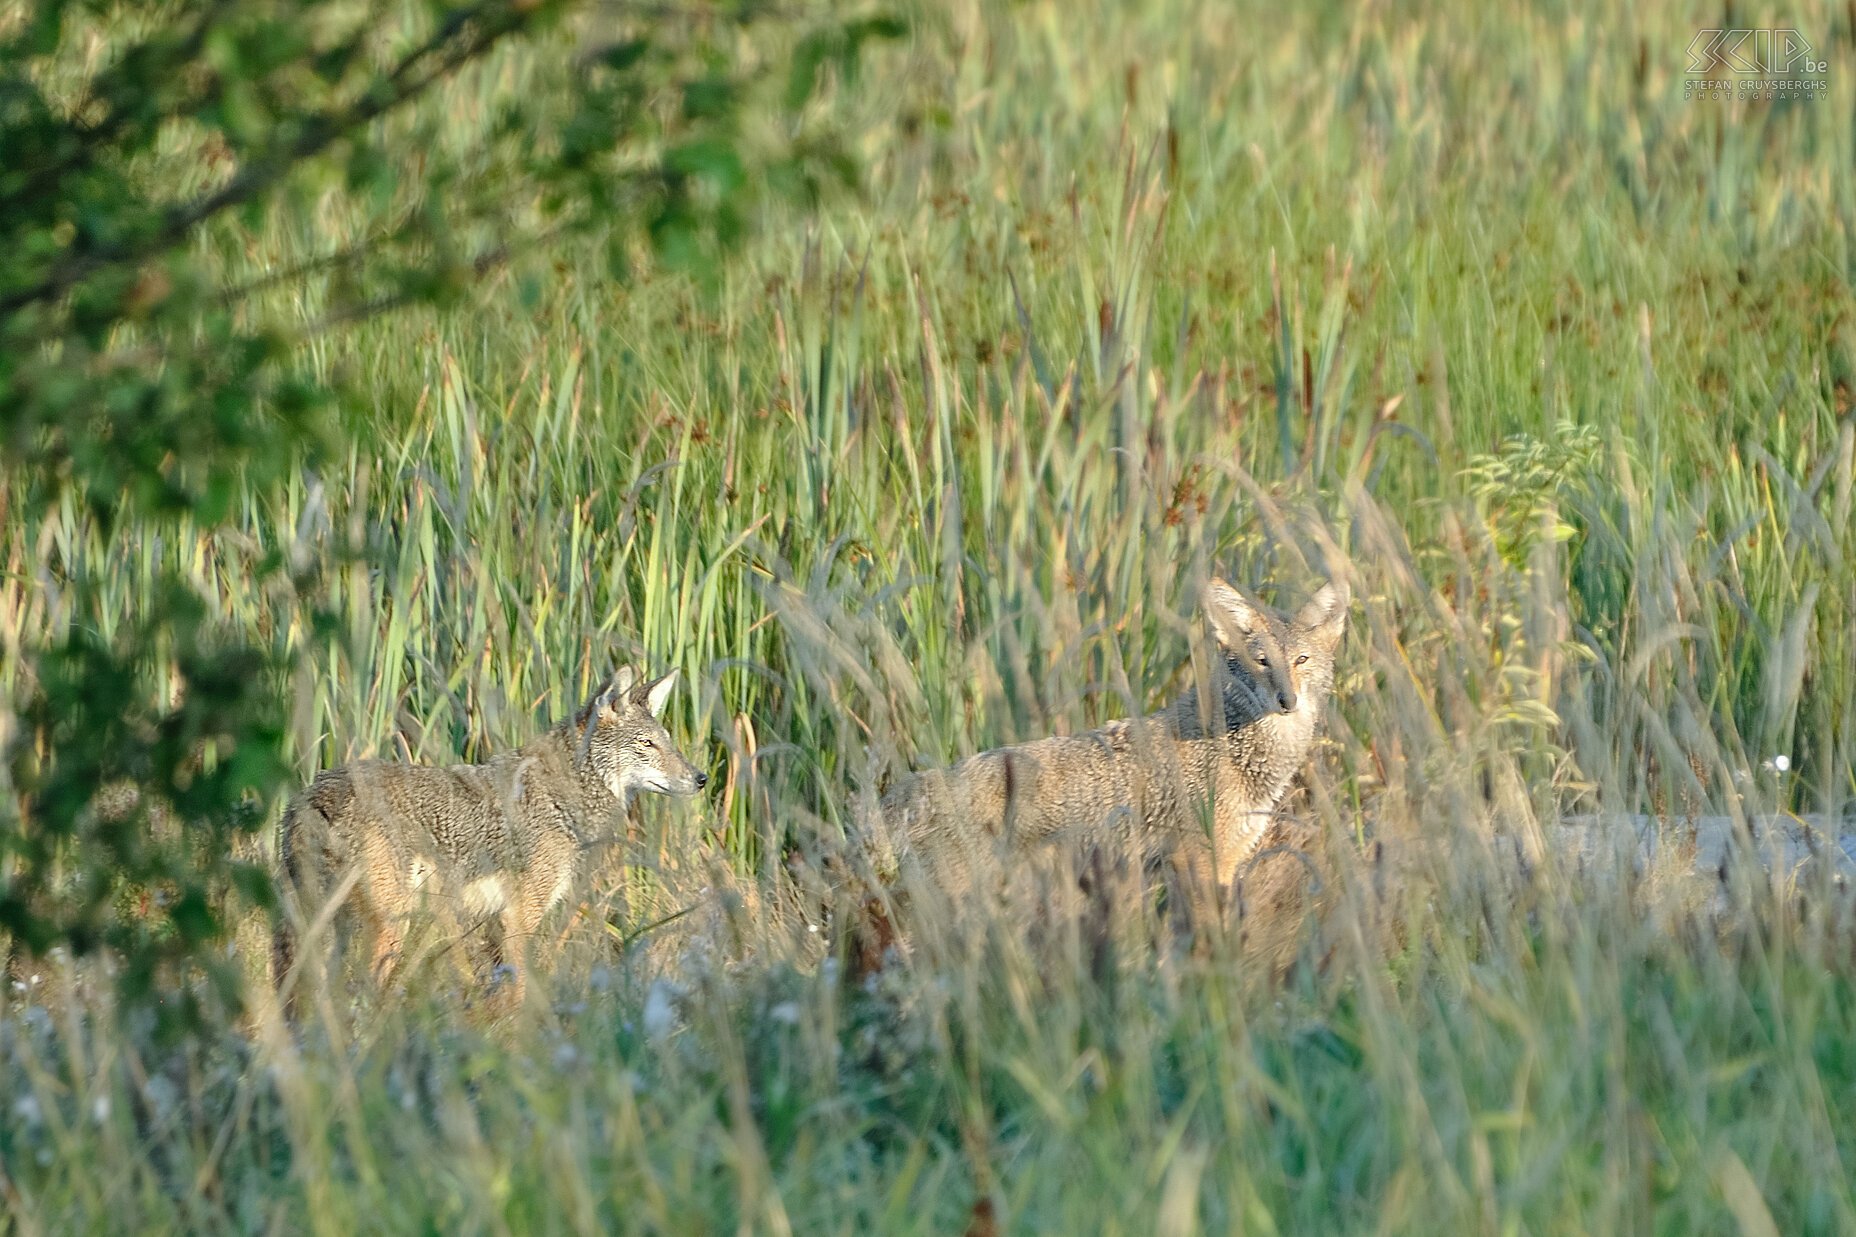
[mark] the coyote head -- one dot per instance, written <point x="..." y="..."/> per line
<point x="623" y="743"/>
<point x="1277" y="664"/>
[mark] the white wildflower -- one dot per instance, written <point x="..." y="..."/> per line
<point x="660" y="1009"/>
<point x="161" y="1096"/>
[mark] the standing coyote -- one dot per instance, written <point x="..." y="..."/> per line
<point x="496" y="844"/>
<point x="1159" y="780"/>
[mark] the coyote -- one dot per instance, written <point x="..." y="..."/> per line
<point x="496" y="845"/>
<point x="1158" y="780"/>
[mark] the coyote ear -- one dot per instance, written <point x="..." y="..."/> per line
<point x="617" y="688"/>
<point x="1326" y="613"/>
<point x="656" y="695"/>
<point x="1232" y="617"/>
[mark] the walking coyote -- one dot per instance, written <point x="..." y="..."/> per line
<point x="495" y="845"/>
<point x="1194" y="783"/>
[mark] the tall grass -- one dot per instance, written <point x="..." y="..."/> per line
<point x="1469" y="306"/>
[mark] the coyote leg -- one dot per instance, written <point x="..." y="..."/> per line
<point x="389" y="941"/>
<point x="515" y="927"/>
<point x="1196" y="901"/>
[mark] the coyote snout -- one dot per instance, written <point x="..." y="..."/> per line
<point x="495" y="845"/>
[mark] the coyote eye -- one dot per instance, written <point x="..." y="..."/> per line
<point x="1263" y="661"/>
<point x="1301" y="659"/>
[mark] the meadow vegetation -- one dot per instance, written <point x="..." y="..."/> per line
<point x="1465" y="304"/>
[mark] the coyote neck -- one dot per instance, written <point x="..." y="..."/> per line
<point x="1247" y="749"/>
<point x="553" y="760"/>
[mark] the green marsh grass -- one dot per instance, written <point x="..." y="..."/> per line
<point x="1470" y="306"/>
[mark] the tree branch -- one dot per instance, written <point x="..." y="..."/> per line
<point x="317" y="134"/>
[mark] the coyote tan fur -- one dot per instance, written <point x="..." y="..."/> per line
<point x="1196" y="784"/>
<point x="495" y="845"/>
